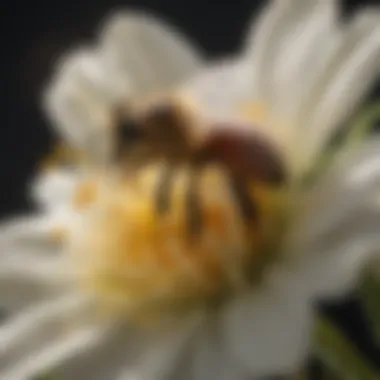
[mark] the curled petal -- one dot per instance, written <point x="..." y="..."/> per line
<point x="146" y="53"/>
<point x="79" y="100"/>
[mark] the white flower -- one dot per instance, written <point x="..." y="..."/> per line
<point x="97" y="287"/>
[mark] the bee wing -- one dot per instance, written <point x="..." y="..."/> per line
<point x="244" y="153"/>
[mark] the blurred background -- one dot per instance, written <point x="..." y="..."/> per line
<point x="37" y="32"/>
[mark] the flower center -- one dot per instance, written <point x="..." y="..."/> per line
<point x="205" y="241"/>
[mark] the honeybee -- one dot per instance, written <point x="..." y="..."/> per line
<point x="173" y="131"/>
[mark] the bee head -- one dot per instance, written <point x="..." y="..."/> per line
<point x="159" y="130"/>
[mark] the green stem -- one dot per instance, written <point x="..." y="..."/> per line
<point x="363" y="124"/>
<point x="339" y="355"/>
<point x="370" y="297"/>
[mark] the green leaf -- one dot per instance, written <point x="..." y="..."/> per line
<point x="328" y="374"/>
<point x="370" y="297"/>
<point x="363" y="124"/>
<point x="339" y="355"/>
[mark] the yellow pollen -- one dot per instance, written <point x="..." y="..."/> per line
<point x="58" y="234"/>
<point x="257" y="113"/>
<point x="134" y="257"/>
<point x="85" y="194"/>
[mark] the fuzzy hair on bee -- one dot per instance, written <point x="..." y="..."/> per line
<point x="165" y="128"/>
<point x="172" y="131"/>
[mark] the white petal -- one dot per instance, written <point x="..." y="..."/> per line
<point x="211" y="359"/>
<point x="336" y="234"/>
<point x="93" y="351"/>
<point x="29" y="237"/>
<point x="301" y="57"/>
<point x="109" y="353"/>
<point x="346" y="189"/>
<point x="161" y="351"/>
<point x="351" y="71"/>
<point x="221" y="87"/>
<point x="146" y="53"/>
<point x="53" y="189"/>
<point x="274" y="30"/>
<point x="333" y="271"/>
<point x="79" y="100"/>
<point x="109" y="350"/>
<point x="32" y="330"/>
<point x="29" y="263"/>
<point x="43" y="362"/>
<point x="24" y="281"/>
<point x="268" y="332"/>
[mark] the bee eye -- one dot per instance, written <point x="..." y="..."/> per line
<point x="129" y="132"/>
<point x="162" y="113"/>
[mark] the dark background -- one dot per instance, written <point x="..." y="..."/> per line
<point x="37" y="32"/>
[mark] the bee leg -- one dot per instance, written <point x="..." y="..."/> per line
<point x="193" y="206"/>
<point x="164" y="189"/>
<point x="246" y="204"/>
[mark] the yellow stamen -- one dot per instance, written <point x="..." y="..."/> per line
<point x="134" y="256"/>
<point x="257" y="113"/>
<point x="85" y="194"/>
<point x="58" y="234"/>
